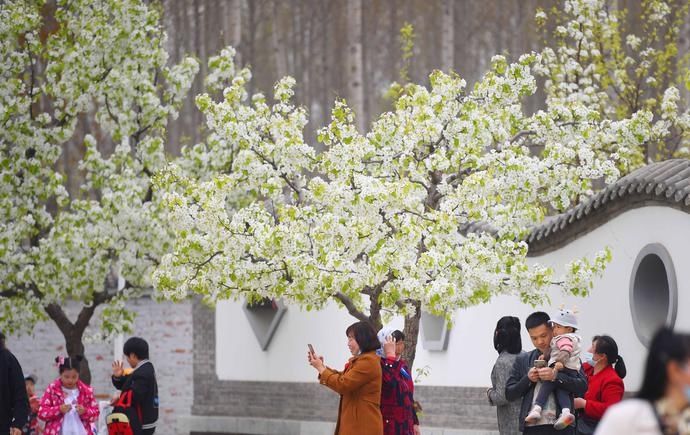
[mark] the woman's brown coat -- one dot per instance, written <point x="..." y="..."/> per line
<point x="359" y="386"/>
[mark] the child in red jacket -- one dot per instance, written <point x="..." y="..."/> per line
<point x="68" y="405"/>
<point x="32" y="427"/>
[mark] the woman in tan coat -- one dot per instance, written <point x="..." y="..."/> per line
<point x="359" y="385"/>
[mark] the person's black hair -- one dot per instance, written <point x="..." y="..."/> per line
<point x="606" y="345"/>
<point x="69" y="363"/>
<point x="666" y="346"/>
<point x="536" y="319"/>
<point x="398" y="335"/>
<point x="507" y="335"/>
<point x="364" y="335"/>
<point x="2" y="341"/>
<point x="137" y="346"/>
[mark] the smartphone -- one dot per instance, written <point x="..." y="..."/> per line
<point x="539" y="363"/>
<point x="311" y="349"/>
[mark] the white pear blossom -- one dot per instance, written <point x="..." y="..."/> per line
<point x="103" y="65"/>
<point x="377" y="221"/>
<point x="618" y="70"/>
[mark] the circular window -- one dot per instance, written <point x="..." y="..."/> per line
<point x="653" y="292"/>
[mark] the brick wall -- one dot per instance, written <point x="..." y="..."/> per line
<point x="166" y="326"/>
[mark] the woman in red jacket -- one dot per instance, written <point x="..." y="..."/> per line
<point x="605" y="371"/>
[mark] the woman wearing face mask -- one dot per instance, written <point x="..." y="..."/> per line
<point x="359" y="385"/>
<point x="605" y="370"/>
<point x="662" y="405"/>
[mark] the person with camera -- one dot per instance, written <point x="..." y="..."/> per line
<point x="359" y="384"/>
<point x="397" y="389"/>
<point x="525" y="377"/>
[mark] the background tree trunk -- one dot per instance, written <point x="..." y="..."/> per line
<point x="233" y="33"/>
<point x="278" y="42"/>
<point x="447" y="35"/>
<point x="355" y="88"/>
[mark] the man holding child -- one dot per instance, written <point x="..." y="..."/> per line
<point x="524" y="381"/>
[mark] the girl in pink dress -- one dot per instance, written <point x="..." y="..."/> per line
<point x="68" y="405"/>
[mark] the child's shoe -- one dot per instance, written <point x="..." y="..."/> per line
<point x="534" y="415"/>
<point x="565" y="420"/>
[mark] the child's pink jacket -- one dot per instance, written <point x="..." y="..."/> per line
<point x="54" y="397"/>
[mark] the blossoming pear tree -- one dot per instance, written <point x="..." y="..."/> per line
<point x="599" y="56"/>
<point x="377" y="222"/>
<point x="68" y="64"/>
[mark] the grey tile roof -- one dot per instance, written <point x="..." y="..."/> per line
<point x="663" y="183"/>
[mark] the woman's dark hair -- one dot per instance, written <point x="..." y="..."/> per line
<point x="507" y="335"/>
<point x="69" y="363"/>
<point x="603" y="344"/>
<point x="137" y="346"/>
<point x="537" y="318"/>
<point x="666" y="346"/>
<point x="364" y="335"/>
<point x="398" y="335"/>
<point x="2" y="341"/>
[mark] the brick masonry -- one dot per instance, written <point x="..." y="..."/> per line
<point x="166" y="326"/>
<point x="449" y="407"/>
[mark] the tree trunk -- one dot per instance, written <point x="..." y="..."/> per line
<point x="278" y="43"/>
<point x="411" y="331"/>
<point x="234" y="27"/>
<point x="74" y="334"/>
<point x="324" y="69"/>
<point x="447" y="36"/>
<point x="251" y="41"/>
<point x="355" y="89"/>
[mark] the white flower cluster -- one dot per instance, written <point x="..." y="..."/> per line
<point x="258" y="212"/>
<point x="617" y="72"/>
<point x="373" y="220"/>
<point x="98" y="64"/>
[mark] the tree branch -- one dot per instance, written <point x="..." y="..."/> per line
<point x="84" y="318"/>
<point x="204" y="263"/>
<point x="419" y="215"/>
<point x="56" y="313"/>
<point x="284" y="176"/>
<point x="351" y="308"/>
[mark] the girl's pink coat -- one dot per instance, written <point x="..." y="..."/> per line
<point x="54" y="397"/>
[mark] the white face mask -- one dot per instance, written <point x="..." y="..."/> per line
<point x="589" y="358"/>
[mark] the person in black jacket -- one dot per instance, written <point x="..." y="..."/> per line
<point x="141" y="381"/>
<point x="14" y="405"/>
<point x="524" y="379"/>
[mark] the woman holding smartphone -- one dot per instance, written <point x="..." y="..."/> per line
<point x="359" y="384"/>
